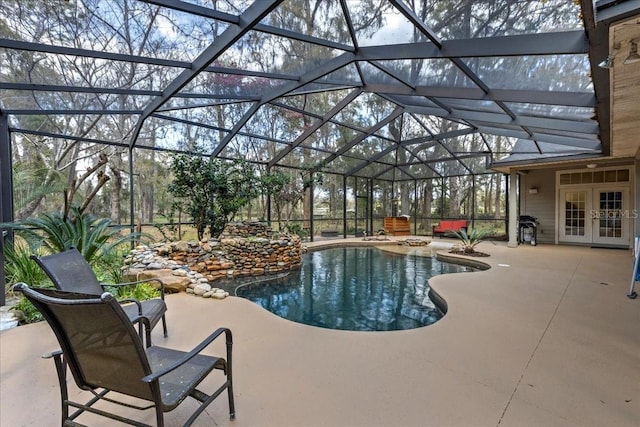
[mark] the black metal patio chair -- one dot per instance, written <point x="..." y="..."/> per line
<point x="69" y="271"/>
<point x="104" y="353"/>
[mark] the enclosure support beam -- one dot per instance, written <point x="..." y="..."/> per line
<point x="442" y="198"/>
<point x="252" y="16"/>
<point x="344" y="206"/>
<point x="132" y="217"/>
<point x="355" y="199"/>
<point x="513" y="209"/>
<point x="505" y="178"/>
<point x="317" y="125"/>
<point x="415" y="207"/>
<point x="370" y="219"/>
<point x="556" y="43"/>
<point x="473" y="202"/>
<point x="269" y="203"/>
<point x="6" y="191"/>
<point x="394" y="202"/>
<point x="311" y="179"/>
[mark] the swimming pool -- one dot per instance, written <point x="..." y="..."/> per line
<point x="355" y="289"/>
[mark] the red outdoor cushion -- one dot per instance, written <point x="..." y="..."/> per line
<point x="451" y="225"/>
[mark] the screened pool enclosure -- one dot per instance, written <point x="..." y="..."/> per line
<point x="387" y="107"/>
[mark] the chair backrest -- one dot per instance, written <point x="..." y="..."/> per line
<point x="99" y="343"/>
<point x="69" y="271"/>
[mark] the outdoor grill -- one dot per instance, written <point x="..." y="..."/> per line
<point x="528" y="229"/>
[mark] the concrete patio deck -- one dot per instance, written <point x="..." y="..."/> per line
<point x="545" y="337"/>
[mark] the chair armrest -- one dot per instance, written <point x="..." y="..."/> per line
<point x="152" y="279"/>
<point x="141" y="319"/>
<point x="156" y="375"/>
<point x="52" y="354"/>
<point x="134" y="301"/>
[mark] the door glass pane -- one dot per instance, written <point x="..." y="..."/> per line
<point x="575" y="207"/>
<point x="610" y="214"/>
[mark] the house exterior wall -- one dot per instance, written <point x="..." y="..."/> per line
<point x="635" y="202"/>
<point x="542" y="204"/>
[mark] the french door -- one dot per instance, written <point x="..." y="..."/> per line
<point x="595" y="215"/>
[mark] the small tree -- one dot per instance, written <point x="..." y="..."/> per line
<point x="212" y="190"/>
<point x="274" y="184"/>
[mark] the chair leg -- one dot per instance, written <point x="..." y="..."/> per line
<point x="232" y="406"/>
<point x="164" y="326"/>
<point x="159" y="416"/>
<point x="61" y="369"/>
<point x="148" y="336"/>
<point x="228" y="373"/>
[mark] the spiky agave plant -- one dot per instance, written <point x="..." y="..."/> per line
<point x="468" y="241"/>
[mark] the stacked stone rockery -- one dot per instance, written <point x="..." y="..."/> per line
<point x="196" y="264"/>
<point x="261" y="256"/>
<point x="146" y="262"/>
<point x="247" y="229"/>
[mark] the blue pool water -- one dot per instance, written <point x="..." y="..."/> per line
<point x="356" y="289"/>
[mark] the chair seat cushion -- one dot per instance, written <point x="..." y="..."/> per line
<point x="174" y="385"/>
<point x="153" y="310"/>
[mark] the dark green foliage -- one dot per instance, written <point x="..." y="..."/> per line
<point x="212" y="190"/>
<point x="274" y="182"/>
<point x="108" y="268"/>
<point x="19" y="267"/>
<point x="93" y="237"/>
<point x="140" y="291"/>
<point x="31" y="314"/>
<point x="295" y="228"/>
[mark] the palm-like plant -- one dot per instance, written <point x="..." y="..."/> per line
<point x="19" y="267"/>
<point x="97" y="240"/>
<point x="32" y="181"/>
<point x="55" y="232"/>
<point x="469" y="241"/>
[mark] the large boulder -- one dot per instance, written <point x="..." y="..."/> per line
<point x="172" y="283"/>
